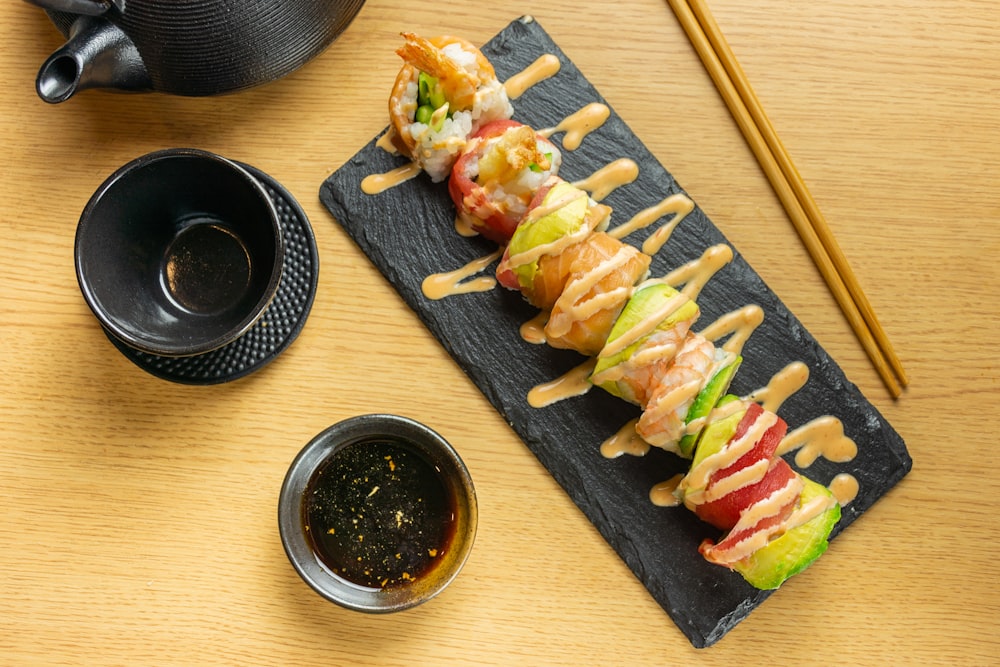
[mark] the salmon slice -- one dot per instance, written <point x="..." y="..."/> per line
<point x="591" y="282"/>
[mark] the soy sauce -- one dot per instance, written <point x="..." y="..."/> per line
<point x="378" y="514"/>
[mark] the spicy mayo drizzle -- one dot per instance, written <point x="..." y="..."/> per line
<point x="373" y="184"/>
<point x="844" y="488"/>
<point x="439" y="285"/>
<point x="677" y="204"/>
<point x="662" y="494"/>
<point x="572" y="383"/>
<point x="785" y="382"/>
<point x="545" y="66"/>
<point x="385" y="141"/>
<point x="823" y="436"/>
<point x="579" y="124"/>
<point x="625" y="441"/>
<point x="464" y="227"/>
<point x="740" y="323"/>
<point x="533" y="331"/>
<point x="608" y="178"/>
<point x="695" y="274"/>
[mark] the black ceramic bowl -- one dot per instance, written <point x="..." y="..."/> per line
<point x="179" y="252"/>
<point x="377" y="513"/>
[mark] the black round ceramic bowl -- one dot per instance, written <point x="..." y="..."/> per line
<point x="179" y="252"/>
<point x="377" y="513"/>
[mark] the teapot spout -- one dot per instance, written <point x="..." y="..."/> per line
<point x="98" y="54"/>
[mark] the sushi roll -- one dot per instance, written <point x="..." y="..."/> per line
<point x="444" y="92"/>
<point x="495" y="179"/>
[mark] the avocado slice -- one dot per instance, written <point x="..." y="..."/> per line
<point x="713" y="439"/>
<point x="705" y="401"/>
<point x="561" y="222"/>
<point x="769" y="567"/>
<point x="716" y="434"/>
<point x="643" y="301"/>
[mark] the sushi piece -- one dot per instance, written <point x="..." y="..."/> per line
<point x="644" y="341"/>
<point x="777" y="521"/>
<point x="601" y="273"/>
<point x="559" y="217"/>
<point x="668" y="416"/>
<point x="444" y="92"/>
<point x="562" y="263"/>
<point x="805" y="539"/>
<point x="495" y="179"/>
<point x="653" y="359"/>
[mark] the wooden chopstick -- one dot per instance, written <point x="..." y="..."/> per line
<point x="735" y="89"/>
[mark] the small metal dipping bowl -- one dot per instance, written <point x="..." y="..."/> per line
<point x="405" y="433"/>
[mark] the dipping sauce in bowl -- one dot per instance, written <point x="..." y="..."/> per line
<point x="378" y="513"/>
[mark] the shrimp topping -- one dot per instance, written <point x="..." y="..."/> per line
<point x="515" y="150"/>
<point x="458" y="83"/>
<point x="662" y="421"/>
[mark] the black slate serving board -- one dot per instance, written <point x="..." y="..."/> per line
<point x="408" y="233"/>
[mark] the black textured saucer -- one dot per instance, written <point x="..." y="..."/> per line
<point x="278" y="326"/>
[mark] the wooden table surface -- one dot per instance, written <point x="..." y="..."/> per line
<point x="139" y="516"/>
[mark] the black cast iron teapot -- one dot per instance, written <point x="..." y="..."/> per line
<point x="185" y="47"/>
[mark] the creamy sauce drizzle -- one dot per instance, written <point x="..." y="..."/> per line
<point x="533" y="331"/>
<point x="572" y="383"/>
<point x="608" y="178"/>
<point x="823" y="436"/>
<point x="373" y="184"/>
<point x="544" y="67"/>
<point x="662" y="494"/>
<point x="464" y="228"/>
<point x="740" y="323"/>
<point x="385" y="141"/>
<point x="441" y="285"/>
<point x="695" y="274"/>
<point x="807" y="512"/>
<point x="578" y="125"/>
<point x="785" y="382"/>
<point x="844" y="488"/>
<point x="678" y="204"/>
<point x="625" y="441"/>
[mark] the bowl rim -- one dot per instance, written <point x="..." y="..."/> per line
<point x="318" y="450"/>
<point x="190" y="347"/>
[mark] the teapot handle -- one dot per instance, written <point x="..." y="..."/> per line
<point x="84" y="7"/>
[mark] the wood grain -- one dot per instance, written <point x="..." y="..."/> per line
<point x="139" y="516"/>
